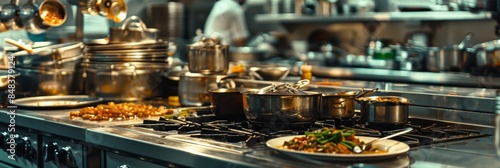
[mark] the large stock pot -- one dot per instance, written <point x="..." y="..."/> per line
<point x="125" y="81"/>
<point x="39" y="82"/>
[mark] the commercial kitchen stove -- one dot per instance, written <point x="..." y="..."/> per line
<point x="242" y="139"/>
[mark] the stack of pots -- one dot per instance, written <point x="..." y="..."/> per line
<point x="50" y="70"/>
<point x="130" y="66"/>
<point x="208" y="65"/>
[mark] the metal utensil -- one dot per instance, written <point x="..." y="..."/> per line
<point x="27" y="14"/>
<point x="52" y="13"/>
<point x="9" y="15"/>
<point x="20" y="45"/>
<point x="367" y="146"/>
<point x="284" y="87"/>
<point x="362" y="93"/>
<point x="384" y="109"/>
<point x="466" y="41"/>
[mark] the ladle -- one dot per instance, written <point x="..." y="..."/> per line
<point x="466" y="41"/>
<point x="367" y="146"/>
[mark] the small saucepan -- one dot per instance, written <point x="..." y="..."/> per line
<point x="384" y="109"/>
<point x="226" y="103"/>
<point x="341" y="104"/>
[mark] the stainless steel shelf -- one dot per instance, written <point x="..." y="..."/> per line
<point x="412" y="77"/>
<point x="382" y="16"/>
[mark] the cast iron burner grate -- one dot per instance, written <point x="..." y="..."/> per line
<point x="486" y="71"/>
<point x="206" y="127"/>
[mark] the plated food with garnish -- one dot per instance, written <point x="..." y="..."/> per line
<point x="333" y="144"/>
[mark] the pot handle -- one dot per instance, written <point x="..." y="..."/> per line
<point x="197" y="108"/>
<point x="222" y="83"/>
<point x="363" y="93"/>
<point x="134" y="19"/>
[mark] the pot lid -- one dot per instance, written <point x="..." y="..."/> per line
<point x="385" y="99"/>
<point x="341" y="94"/>
<point x="207" y="42"/>
<point x="199" y="75"/>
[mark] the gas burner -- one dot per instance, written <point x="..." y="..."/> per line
<point x="339" y="122"/>
<point x="425" y="131"/>
<point x="486" y="71"/>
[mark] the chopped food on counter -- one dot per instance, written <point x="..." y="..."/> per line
<point x="237" y="69"/>
<point x="120" y="111"/>
<point x="328" y="140"/>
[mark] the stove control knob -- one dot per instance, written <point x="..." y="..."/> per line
<point x="22" y="146"/>
<point x="65" y="157"/>
<point x="124" y="166"/>
<point x="29" y="150"/>
<point x="4" y="136"/>
<point x="50" y="151"/>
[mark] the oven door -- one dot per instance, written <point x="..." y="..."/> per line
<point x="19" y="144"/>
<point x="117" y="160"/>
<point x="61" y="152"/>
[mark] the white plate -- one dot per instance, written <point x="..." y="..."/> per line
<point x="56" y="102"/>
<point x="395" y="148"/>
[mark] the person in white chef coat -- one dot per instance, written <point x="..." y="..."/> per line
<point x="227" y="22"/>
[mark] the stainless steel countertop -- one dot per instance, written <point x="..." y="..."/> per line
<point x="413" y="77"/>
<point x="191" y="152"/>
<point x="188" y="152"/>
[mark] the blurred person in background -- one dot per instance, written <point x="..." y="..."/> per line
<point x="226" y="21"/>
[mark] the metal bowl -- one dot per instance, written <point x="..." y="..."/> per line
<point x="281" y="111"/>
<point x="269" y="73"/>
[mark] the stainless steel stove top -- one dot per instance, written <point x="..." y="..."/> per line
<point x="244" y="137"/>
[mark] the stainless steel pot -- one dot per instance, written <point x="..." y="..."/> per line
<point x="488" y="53"/>
<point x="341" y="104"/>
<point x="281" y="111"/>
<point x="115" y="10"/>
<point x="194" y="88"/>
<point x="49" y="81"/>
<point x="9" y="16"/>
<point x="384" y="109"/>
<point x="227" y="104"/>
<point x="36" y="20"/>
<point x="125" y="81"/>
<point x="47" y="54"/>
<point x="208" y="57"/>
<point x="449" y="58"/>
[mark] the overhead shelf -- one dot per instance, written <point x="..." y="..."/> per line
<point x="379" y="16"/>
